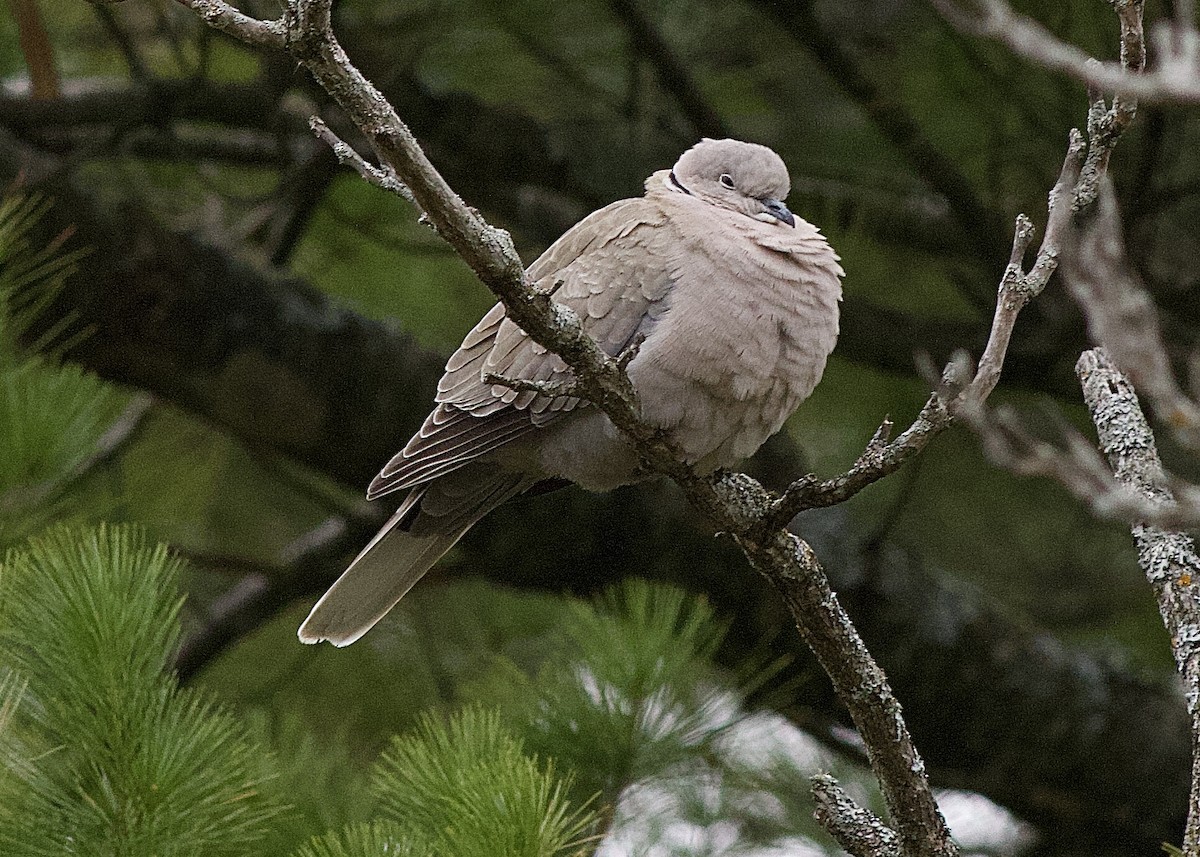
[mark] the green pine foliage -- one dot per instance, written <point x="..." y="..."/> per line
<point x="50" y="419"/>
<point x="105" y="754"/>
<point x="467" y="788"/>
<point x="362" y="840"/>
<point x="632" y="693"/>
<point x="324" y="785"/>
<point x="631" y="702"/>
<point x="30" y="276"/>
<point x="50" y="415"/>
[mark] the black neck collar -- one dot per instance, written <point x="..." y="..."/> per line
<point x="675" y="182"/>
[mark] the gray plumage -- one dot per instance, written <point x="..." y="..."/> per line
<point x="738" y="302"/>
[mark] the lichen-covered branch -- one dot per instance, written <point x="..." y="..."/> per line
<point x="1120" y="316"/>
<point x="856" y="829"/>
<point x="345" y="154"/>
<point x="1168" y="558"/>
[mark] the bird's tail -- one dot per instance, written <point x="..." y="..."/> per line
<point x="428" y="523"/>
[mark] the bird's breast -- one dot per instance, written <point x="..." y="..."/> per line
<point x="744" y="340"/>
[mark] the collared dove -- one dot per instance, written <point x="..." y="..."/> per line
<point x="735" y="302"/>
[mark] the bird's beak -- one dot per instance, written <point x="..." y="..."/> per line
<point x="779" y="211"/>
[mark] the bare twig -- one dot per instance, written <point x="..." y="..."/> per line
<point x="381" y="177"/>
<point x="1107" y="124"/>
<point x="856" y="829"/>
<point x="880" y="458"/>
<point x="221" y="16"/>
<point x="1122" y="317"/>
<point x="1176" y="79"/>
<point x="963" y="398"/>
<point x="1017" y="288"/>
<point x="549" y="389"/>
<point x="1168" y="558"/>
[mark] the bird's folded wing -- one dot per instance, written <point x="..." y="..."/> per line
<point x="614" y="269"/>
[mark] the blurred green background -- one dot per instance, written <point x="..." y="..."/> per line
<point x="263" y="328"/>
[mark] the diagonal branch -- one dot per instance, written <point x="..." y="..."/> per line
<point x="1016" y="289"/>
<point x="1175" y="80"/>
<point x="1168" y="558"/>
<point x="735" y="503"/>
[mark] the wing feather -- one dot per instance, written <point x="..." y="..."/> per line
<point x="613" y="268"/>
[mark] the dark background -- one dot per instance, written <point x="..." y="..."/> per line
<point x="290" y="322"/>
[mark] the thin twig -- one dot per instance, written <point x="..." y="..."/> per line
<point x="548" y="389"/>
<point x="962" y="398"/>
<point x="221" y="16"/>
<point x="380" y="177"/>
<point x="856" y="829"/>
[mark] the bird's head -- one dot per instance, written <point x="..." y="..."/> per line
<point x="745" y="177"/>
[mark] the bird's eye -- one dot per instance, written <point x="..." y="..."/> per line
<point x="727" y="180"/>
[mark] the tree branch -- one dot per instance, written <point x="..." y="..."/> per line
<point x="1121" y="317"/>
<point x="1168" y="558"/>
<point x="958" y="398"/>
<point x="381" y="178"/>
<point x="221" y="16"/>
<point x="733" y="503"/>
<point x="856" y="829"/>
<point x="1175" y="80"/>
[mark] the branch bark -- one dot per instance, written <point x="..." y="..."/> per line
<point x="1168" y="558"/>
<point x="1016" y="695"/>
<point x="733" y="503"/>
<point x="857" y="830"/>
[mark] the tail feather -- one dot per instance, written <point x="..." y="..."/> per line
<point x="398" y="556"/>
